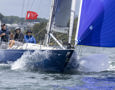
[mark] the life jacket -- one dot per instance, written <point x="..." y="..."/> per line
<point x="29" y="39"/>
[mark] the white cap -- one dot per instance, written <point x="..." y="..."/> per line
<point x="17" y="28"/>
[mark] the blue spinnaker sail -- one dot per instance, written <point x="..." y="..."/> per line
<point x="97" y="23"/>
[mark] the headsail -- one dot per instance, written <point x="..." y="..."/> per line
<point x="62" y="11"/>
<point x="97" y="23"/>
<point x="61" y="15"/>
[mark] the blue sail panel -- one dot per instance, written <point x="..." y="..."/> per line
<point x="97" y="23"/>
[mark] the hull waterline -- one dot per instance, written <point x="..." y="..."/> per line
<point x="48" y="60"/>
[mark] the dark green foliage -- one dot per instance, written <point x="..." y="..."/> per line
<point x="41" y="20"/>
<point x="12" y="19"/>
<point x="1" y="16"/>
<point x="39" y="31"/>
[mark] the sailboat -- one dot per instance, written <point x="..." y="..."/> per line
<point x="62" y="11"/>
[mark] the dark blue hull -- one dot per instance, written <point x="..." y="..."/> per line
<point x="50" y="60"/>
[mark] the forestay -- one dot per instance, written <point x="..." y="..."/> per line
<point x="61" y="15"/>
<point x="97" y="23"/>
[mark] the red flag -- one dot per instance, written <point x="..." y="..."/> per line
<point x="31" y="15"/>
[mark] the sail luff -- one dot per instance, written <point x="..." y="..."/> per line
<point x="72" y="17"/>
<point x="78" y="23"/>
<point x="49" y="29"/>
<point x="50" y="23"/>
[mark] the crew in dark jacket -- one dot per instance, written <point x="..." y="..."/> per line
<point x="18" y="35"/>
<point x="4" y="33"/>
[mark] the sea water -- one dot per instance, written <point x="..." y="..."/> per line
<point x="96" y="72"/>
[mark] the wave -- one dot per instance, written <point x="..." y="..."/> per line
<point x="94" y="63"/>
<point x="28" y="59"/>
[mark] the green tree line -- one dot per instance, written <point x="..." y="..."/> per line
<point x="16" y="19"/>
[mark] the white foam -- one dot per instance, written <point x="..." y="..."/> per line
<point x="31" y="46"/>
<point x="94" y="63"/>
<point x="29" y="58"/>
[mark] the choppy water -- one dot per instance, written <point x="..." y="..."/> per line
<point x="95" y="74"/>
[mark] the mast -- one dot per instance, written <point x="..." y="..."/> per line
<point x="49" y="24"/>
<point x="77" y="30"/>
<point x="73" y="7"/>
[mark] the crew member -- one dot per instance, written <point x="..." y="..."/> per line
<point x="18" y="35"/>
<point x="4" y="33"/>
<point x="28" y="38"/>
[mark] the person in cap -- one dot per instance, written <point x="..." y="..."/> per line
<point x="28" y="38"/>
<point x="18" y="35"/>
<point x="4" y="33"/>
<point x="16" y="39"/>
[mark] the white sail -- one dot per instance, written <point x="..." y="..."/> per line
<point x="60" y="29"/>
<point x="61" y="15"/>
<point x="61" y="19"/>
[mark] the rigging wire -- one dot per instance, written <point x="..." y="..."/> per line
<point x="39" y="1"/>
<point x="23" y="4"/>
<point x="28" y="4"/>
<point x="32" y="4"/>
<point x="31" y="8"/>
<point x="25" y="9"/>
